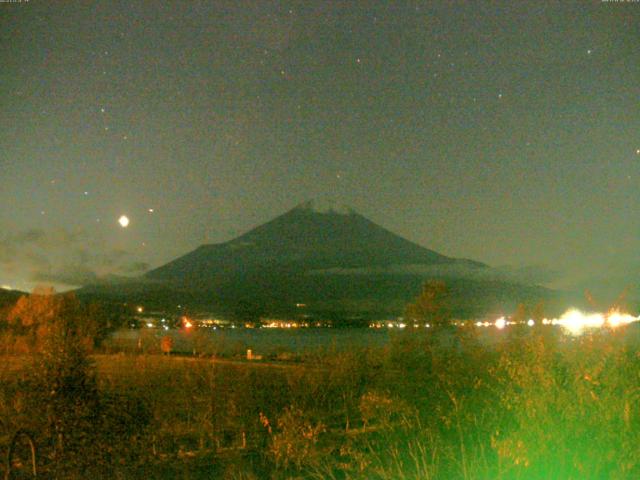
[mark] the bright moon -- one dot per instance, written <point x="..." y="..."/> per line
<point x="123" y="221"/>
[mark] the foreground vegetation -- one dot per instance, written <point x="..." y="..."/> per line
<point x="533" y="403"/>
<point x="536" y="405"/>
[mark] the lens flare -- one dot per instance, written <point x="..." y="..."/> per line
<point x="576" y="322"/>
<point x="616" y="318"/>
<point x="573" y="321"/>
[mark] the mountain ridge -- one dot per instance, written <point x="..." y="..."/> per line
<point x="307" y="239"/>
<point x="329" y="258"/>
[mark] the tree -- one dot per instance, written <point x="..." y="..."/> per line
<point x="520" y="315"/>
<point x="104" y="318"/>
<point x="537" y="313"/>
<point x="62" y="404"/>
<point x="61" y="380"/>
<point x="431" y="306"/>
<point x="44" y="313"/>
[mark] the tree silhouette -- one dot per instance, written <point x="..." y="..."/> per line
<point x="62" y="378"/>
<point x="538" y="312"/>
<point x="431" y="306"/>
<point x="41" y="316"/>
<point x="520" y="315"/>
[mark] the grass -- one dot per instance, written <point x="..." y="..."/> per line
<point x="532" y="404"/>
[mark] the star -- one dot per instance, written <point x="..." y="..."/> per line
<point x="123" y="221"/>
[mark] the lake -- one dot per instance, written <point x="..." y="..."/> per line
<point x="262" y="341"/>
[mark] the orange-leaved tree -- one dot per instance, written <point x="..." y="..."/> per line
<point x="61" y="380"/>
<point x="44" y="313"/>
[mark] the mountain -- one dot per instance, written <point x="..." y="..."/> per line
<point x="320" y="260"/>
<point x="302" y="240"/>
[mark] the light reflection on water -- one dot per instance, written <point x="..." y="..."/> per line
<point x="262" y="341"/>
<point x="230" y="342"/>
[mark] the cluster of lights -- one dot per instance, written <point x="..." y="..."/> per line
<point x="397" y="324"/>
<point x="502" y="322"/>
<point x="575" y="322"/>
<point x="281" y="324"/>
<point x="572" y="321"/>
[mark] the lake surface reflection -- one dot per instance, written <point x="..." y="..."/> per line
<point x="262" y="341"/>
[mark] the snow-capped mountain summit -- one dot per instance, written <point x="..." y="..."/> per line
<point x="324" y="256"/>
<point x="309" y="237"/>
<point x="320" y="205"/>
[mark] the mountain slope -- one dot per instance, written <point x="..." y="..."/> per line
<point x="301" y="240"/>
<point x="331" y="259"/>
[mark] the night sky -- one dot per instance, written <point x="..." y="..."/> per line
<point x="506" y="132"/>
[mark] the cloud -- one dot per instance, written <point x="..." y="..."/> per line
<point x="135" y="268"/>
<point x="30" y="236"/>
<point x="68" y="275"/>
<point x="20" y="248"/>
<point x="617" y="284"/>
<point x="528" y="275"/>
<point x="60" y="256"/>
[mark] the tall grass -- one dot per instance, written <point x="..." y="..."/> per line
<point x="534" y="404"/>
